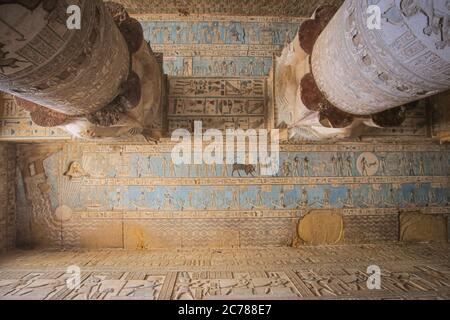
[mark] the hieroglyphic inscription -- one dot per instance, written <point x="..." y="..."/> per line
<point x="337" y="272"/>
<point x="220" y="103"/>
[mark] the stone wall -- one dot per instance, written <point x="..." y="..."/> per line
<point x="132" y="196"/>
<point x="7" y="197"/>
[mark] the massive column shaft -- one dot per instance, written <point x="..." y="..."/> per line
<point x="75" y="72"/>
<point x="363" y="71"/>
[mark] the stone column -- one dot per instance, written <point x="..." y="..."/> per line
<point x="74" y="72"/>
<point x="362" y="71"/>
<point x="101" y="81"/>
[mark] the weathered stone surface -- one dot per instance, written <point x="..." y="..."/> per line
<point x="363" y="71"/>
<point x="321" y="227"/>
<point x="320" y="272"/>
<point x="418" y="227"/>
<point x="227" y="7"/>
<point x="314" y="100"/>
<point x="441" y="116"/>
<point x="7" y="197"/>
<point x="102" y="234"/>
<point x="42" y="116"/>
<point x="63" y="213"/>
<point x="371" y="229"/>
<point x="310" y="30"/>
<point x="70" y="71"/>
<point x="391" y="118"/>
<point x="117" y="11"/>
<point x="203" y="231"/>
<point x="136" y="111"/>
<point x="130" y="28"/>
<point x="133" y="33"/>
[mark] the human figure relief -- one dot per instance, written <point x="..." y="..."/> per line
<point x="259" y="199"/>
<point x="437" y="22"/>
<point x="235" y="203"/>
<point x="224" y="168"/>
<point x="306" y="170"/>
<point x="286" y="168"/>
<point x="296" y="171"/>
<point x="304" y="198"/>
<point x="334" y="165"/>
<point x="213" y="201"/>
<point x="411" y="167"/>
<point x="349" y="167"/>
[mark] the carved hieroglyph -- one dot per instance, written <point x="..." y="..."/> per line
<point x="75" y="72"/>
<point x="363" y="71"/>
<point x="234" y="8"/>
<point x="309" y="272"/>
<point x="7" y="196"/>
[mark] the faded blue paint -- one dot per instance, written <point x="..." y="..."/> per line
<point x="248" y="197"/>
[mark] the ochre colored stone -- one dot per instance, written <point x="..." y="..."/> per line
<point x="102" y="235"/>
<point x="419" y="227"/>
<point x="321" y="227"/>
<point x="63" y="213"/>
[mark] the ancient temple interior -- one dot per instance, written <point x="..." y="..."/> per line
<point x="350" y="96"/>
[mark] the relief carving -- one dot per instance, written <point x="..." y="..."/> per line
<point x="437" y="21"/>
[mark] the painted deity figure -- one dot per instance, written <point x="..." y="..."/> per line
<point x="306" y="170"/>
<point x="364" y="166"/>
<point x="349" y="167"/>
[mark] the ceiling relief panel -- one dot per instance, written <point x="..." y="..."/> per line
<point x="293" y="8"/>
<point x="133" y="196"/>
